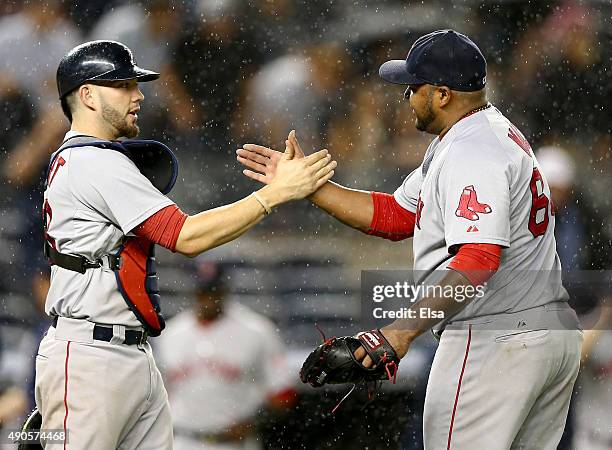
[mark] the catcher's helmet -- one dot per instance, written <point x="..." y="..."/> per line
<point x="98" y="61"/>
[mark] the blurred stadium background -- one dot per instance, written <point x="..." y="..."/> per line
<point x="238" y="71"/>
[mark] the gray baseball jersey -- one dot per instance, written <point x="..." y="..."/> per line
<point x="94" y="198"/>
<point x="221" y="374"/>
<point x="481" y="184"/>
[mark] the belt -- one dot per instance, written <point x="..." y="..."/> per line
<point x="551" y="316"/>
<point x="102" y="333"/>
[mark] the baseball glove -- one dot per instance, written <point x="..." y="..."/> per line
<point x="32" y="423"/>
<point x="333" y="362"/>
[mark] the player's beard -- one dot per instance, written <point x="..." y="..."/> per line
<point x="119" y="122"/>
<point x="209" y="306"/>
<point x="424" y="119"/>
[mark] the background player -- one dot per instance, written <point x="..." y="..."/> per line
<point x="477" y="203"/>
<point x="223" y="363"/>
<point x="95" y="374"/>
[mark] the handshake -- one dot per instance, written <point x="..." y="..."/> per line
<point x="288" y="175"/>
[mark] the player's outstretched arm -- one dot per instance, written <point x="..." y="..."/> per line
<point x="295" y="179"/>
<point x="352" y="207"/>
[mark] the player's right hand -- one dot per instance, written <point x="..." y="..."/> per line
<point x="296" y="178"/>
<point x="262" y="161"/>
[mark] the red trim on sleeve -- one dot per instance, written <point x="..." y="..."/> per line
<point x="390" y="220"/>
<point x="477" y="262"/>
<point x="163" y="227"/>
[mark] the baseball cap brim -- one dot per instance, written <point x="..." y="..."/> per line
<point x="396" y="71"/>
<point x="128" y="73"/>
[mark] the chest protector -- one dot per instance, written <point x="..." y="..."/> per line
<point x="134" y="263"/>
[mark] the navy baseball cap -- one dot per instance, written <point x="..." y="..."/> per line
<point x="441" y="58"/>
<point x="210" y="275"/>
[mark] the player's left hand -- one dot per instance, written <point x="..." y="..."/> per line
<point x="263" y="161"/>
<point x="400" y="340"/>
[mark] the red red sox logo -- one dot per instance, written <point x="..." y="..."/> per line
<point x="469" y="206"/>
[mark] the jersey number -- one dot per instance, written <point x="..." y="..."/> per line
<point x="47" y="215"/>
<point x="59" y="162"/>
<point x="538" y="216"/>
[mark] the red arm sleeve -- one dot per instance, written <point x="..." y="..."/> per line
<point x="477" y="262"/>
<point x="390" y="220"/>
<point x="163" y="227"/>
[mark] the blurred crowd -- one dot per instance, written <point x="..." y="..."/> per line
<point x="237" y="71"/>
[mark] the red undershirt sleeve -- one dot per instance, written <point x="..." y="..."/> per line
<point x="390" y="220"/>
<point x="163" y="227"/>
<point x="477" y="262"/>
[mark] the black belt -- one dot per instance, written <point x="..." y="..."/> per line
<point x="102" y="333"/>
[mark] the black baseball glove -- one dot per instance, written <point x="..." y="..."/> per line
<point x="333" y="362"/>
<point x="32" y="423"/>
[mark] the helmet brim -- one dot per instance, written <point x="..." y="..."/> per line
<point x="127" y="73"/>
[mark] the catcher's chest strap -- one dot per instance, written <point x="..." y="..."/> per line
<point x="78" y="263"/>
<point x="106" y="333"/>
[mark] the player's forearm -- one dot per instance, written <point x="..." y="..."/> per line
<point x="217" y="226"/>
<point x="411" y="328"/>
<point x="350" y="206"/>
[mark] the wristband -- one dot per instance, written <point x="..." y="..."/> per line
<point x="261" y="201"/>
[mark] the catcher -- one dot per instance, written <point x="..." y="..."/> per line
<point x="105" y="209"/>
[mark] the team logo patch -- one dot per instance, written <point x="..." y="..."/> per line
<point x="370" y="339"/>
<point x="469" y="206"/>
